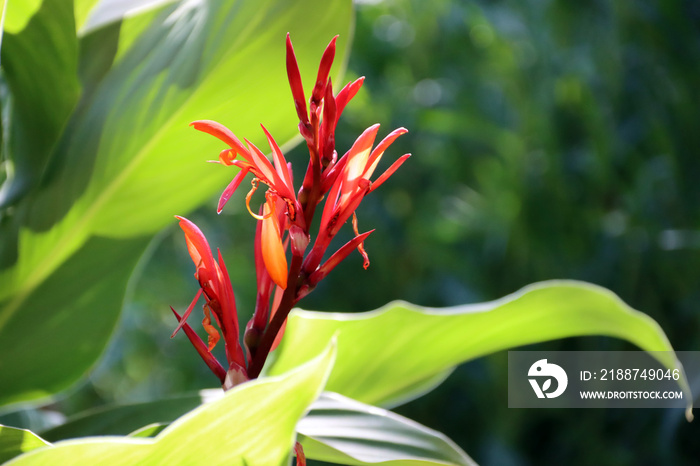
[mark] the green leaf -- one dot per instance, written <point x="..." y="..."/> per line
<point x="110" y="11"/>
<point x="18" y="13"/>
<point x="344" y="431"/>
<point x="150" y="430"/>
<point x="329" y="431"/>
<point x="14" y="442"/>
<point x="254" y="424"/>
<point x="82" y="9"/>
<point x="65" y="324"/>
<point x="384" y="354"/>
<point x="126" y="161"/>
<point x="37" y="108"/>
<point x="123" y="419"/>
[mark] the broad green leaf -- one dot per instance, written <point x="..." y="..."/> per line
<point x="127" y="160"/>
<point x="336" y="429"/>
<point x="345" y="431"/>
<point x="123" y="419"/>
<point x="37" y="109"/>
<point x="14" y="442"/>
<point x="253" y="424"/>
<point x="82" y="9"/>
<point x="150" y="430"/>
<point x="385" y="354"/>
<point x="62" y="327"/>
<point x="110" y="11"/>
<point x="18" y="13"/>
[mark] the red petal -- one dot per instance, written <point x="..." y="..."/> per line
<point x="281" y="165"/>
<point x="218" y="130"/>
<point x="346" y="94"/>
<point x="197" y="245"/>
<point x="390" y="171"/>
<point x="323" y="72"/>
<point x="268" y="171"/>
<point x="201" y="348"/>
<point x="337" y="258"/>
<point x="355" y="167"/>
<point x="295" y="83"/>
<point x="230" y="189"/>
<point x="187" y="312"/>
<point x="229" y="316"/>
<point x="328" y="124"/>
<point x="381" y="147"/>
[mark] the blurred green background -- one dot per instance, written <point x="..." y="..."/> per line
<point x="550" y="139"/>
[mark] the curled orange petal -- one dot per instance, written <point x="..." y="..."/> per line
<point x="213" y="333"/>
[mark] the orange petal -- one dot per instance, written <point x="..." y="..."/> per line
<point x="272" y="249"/>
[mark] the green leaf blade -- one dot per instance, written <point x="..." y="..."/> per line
<point x="14" y="442"/>
<point x="426" y="342"/>
<point x="37" y="108"/>
<point x="255" y="421"/>
<point x="61" y="329"/>
<point x="344" y="431"/>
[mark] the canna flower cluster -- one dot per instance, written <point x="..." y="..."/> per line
<point x="289" y="265"/>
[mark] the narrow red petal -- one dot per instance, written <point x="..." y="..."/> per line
<point x="324" y="70"/>
<point x="201" y="348"/>
<point x="329" y="208"/>
<point x="283" y="169"/>
<point x="331" y="176"/>
<point x="230" y="189"/>
<point x="346" y="94"/>
<point x="295" y="83"/>
<point x="218" y="130"/>
<point x="328" y="124"/>
<point x="229" y="317"/>
<point x="355" y="167"/>
<point x="390" y="171"/>
<point x="347" y="206"/>
<point x="381" y="147"/>
<point x="187" y="312"/>
<point x="337" y="258"/>
<point x="268" y="171"/>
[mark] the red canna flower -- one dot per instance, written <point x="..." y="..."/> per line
<point x="284" y="219"/>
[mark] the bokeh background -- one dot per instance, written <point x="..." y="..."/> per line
<point x="550" y="139"/>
